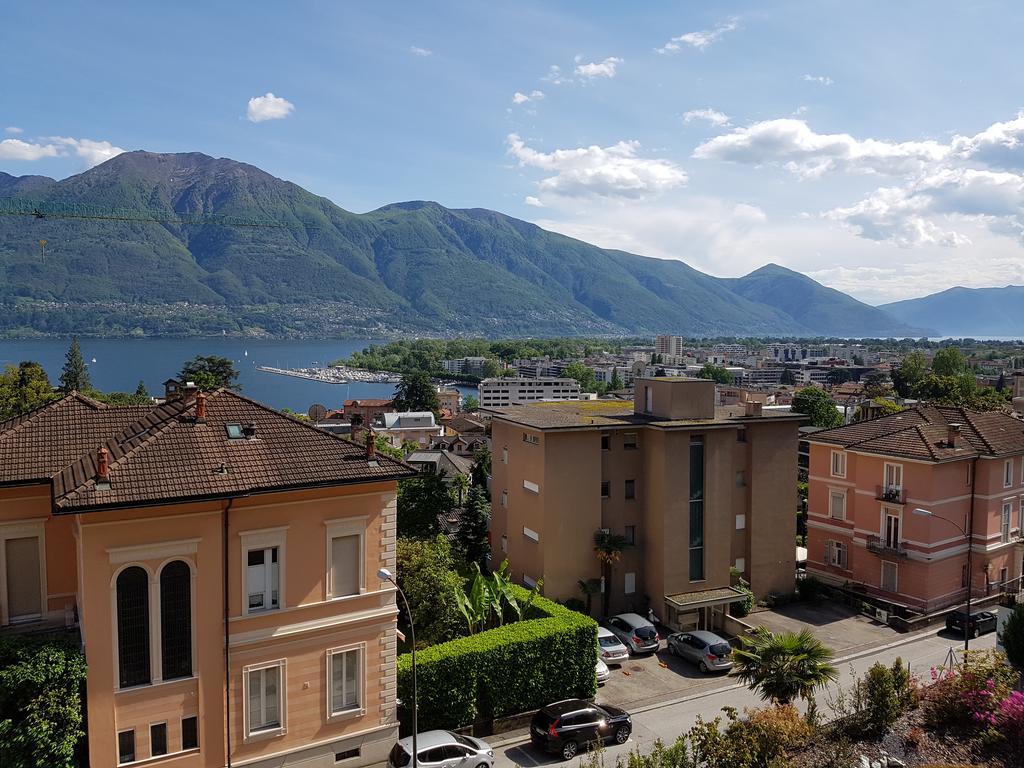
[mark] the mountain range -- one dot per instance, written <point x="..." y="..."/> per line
<point x="152" y="244"/>
<point x="977" y="312"/>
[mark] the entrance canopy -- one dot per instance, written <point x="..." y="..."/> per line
<point x="690" y="601"/>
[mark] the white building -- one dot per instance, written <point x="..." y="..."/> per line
<point x="669" y="345"/>
<point x="471" y="366"/>
<point x="411" y="426"/>
<point x="499" y="392"/>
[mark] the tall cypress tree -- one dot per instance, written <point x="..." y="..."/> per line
<point x="74" y="377"/>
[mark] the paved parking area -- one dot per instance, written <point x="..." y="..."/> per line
<point x="841" y="628"/>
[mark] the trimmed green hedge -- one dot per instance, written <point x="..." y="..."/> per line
<point x="503" y="671"/>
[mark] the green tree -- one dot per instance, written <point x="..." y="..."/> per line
<point x="1012" y="638"/>
<point x="716" y="373"/>
<point x="949" y="361"/>
<point x="416" y="392"/>
<point x="459" y="486"/>
<point x="421" y="501"/>
<point x="584" y="375"/>
<point x="481" y="470"/>
<point x="210" y="372"/>
<point x="428" y="573"/>
<point x="788" y="376"/>
<point x="473" y="540"/>
<point x="608" y="547"/>
<point x="23" y="388"/>
<point x="589" y="588"/>
<point x="74" y="377"/>
<point x="616" y="382"/>
<point x="817" y="404"/>
<point x="1001" y="382"/>
<point x="492" y="368"/>
<point x="784" y="666"/>
<point x="910" y="373"/>
<point x="876" y="385"/>
<point x="858" y="360"/>
<point x="470" y="403"/>
<point x="837" y="376"/>
<point x="140" y="390"/>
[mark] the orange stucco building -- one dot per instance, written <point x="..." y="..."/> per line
<point x="694" y="489"/>
<point x="219" y="561"/>
<point x="963" y="470"/>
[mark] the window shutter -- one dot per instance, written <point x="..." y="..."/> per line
<point x="345" y="565"/>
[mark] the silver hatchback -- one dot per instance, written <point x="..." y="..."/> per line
<point x="635" y="632"/>
<point x="442" y="749"/>
<point x="707" y="650"/>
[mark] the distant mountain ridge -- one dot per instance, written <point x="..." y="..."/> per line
<point x="413" y="267"/>
<point x="966" y="311"/>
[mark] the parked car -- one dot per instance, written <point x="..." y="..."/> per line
<point x="610" y="648"/>
<point x="635" y="632"/>
<point x="603" y="673"/>
<point x="442" y="749"/>
<point x="981" y="621"/>
<point x="565" y="727"/>
<point x="707" y="650"/>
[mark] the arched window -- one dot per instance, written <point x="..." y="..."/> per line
<point x="133" y="627"/>
<point x="176" y="620"/>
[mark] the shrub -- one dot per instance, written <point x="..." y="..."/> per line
<point x="742" y="607"/>
<point x="660" y="756"/>
<point x="809" y="588"/>
<point x="760" y="741"/>
<point x="41" y="707"/>
<point x="503" y="671"/>
<point x="914" y="739"/>
<point x="1010" y="718"/>
<point x="884" y="704"/>
<point x="428" y="572"/>
<point x="969" y="696"/>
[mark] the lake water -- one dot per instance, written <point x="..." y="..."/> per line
<point x="121" y="363"/>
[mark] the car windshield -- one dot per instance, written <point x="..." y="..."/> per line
<point x="609" y="642"/>
<point x="646" y="633"/>
<point x="721" y="649"/>
<point x="463" y="740"/>
<point x="399" y="757"/>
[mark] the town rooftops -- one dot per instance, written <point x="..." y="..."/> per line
<point x="576" y="414"/>
<point x="215" y="446"/>
<point x="930" y="433"/>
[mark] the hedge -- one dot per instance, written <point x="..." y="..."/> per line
<point x="503" y="671"/>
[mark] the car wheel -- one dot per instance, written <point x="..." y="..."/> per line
<point x="569" y="750"/>
<point x="975" y="632"/>
<point x="704" y="668"/>
<point x="622" y="734"/>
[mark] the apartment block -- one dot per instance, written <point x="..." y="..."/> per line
<point x="695" y="489"/>
<point x="893" y="499"/>
<point x="218" y="561"/>
<point x="669" y="345"/>
<point x="472" y="366"/>
<point x="500" y="392"/>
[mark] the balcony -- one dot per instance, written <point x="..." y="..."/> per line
<point x="880" y="546"/>
<point x="891" y="494"/>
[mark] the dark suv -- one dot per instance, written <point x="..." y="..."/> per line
<point x="982" y="621"/>
<point x="567" y="726"/>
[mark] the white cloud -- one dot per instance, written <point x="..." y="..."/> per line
<point x="415" y="50"/>
<point x="555" y="76"/>
<point x="699" y="40"/>
<point x="792" y="144"/>
<point x="614" y="171"/>
<point x="268" y="107"/>
<point x="13" y="129"/>
<point x="713" y="116"/>
<point x="1001" y="145"/>
<point x="93" y="152"/>
<point x="819" y="79"/>
<point x="594" y="69"/>
<point x="522" y="98"/>
<point x="16" y="149"/>
<point x="534" y="201"/>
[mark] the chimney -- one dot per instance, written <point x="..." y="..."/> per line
<point x="953" y="436"/>
<point x="201" y="408"/>
<point x="371" y="445"/>
<point x="102" y="466"/>
<point x="188" y="391"/>
<point x="752" y="408"/>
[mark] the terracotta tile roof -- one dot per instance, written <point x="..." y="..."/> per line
<point x="922" y="432"/>
<point x="163" y="454"/>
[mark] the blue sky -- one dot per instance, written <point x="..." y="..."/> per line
<point x="874" y="146"/>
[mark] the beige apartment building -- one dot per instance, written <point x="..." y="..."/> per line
<point x="695" y="489"/>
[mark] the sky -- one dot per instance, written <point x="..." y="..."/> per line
<point x="876" y="146"/>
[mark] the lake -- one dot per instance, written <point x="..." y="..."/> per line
<point x="121" y="363"/>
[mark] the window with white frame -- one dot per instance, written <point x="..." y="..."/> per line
<point x="346" y="566"/>
<point x="837" y="505"/>
<point x="264" y="698"/>
<point x="838" y="464"/>
<point x="346" y="680"/>
<point x="889" y="576"/>
<point x="893" y="479"/>
<point x="263" y="558"/>
<point x="22" y="572"/>
<point x="1007" y="473"/>
<point x="629" y="587"/>
<point x="125" y="747"/>
<point x="835" y="554"/>
<point x="1004" y="528"/>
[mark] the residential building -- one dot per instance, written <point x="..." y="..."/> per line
<point x="669" y="345"/>
<point x="367" y="410"/>
<point x="695" y="489"/>
<point x="499" y="392"/>
<point x="965" y="468"/>
<point x="449" y="400"/>
<point x="219" y="560"/>
<point x="408" y="427"/>
<point x="470" y="366"/>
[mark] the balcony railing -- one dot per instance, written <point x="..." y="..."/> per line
<point x="893" y="494"/>
<point x="880" y="546"/>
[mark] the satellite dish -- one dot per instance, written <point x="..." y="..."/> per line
<point x="316" y="412"/>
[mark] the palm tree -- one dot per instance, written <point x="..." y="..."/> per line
<point x="460" y="484"/>
<point x="784" y="666"/>
<point x="608" y="547"/>
<point x="589" y="588"/>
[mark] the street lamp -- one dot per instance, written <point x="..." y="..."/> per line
<point x="970" y="575"/>
<point x="385" y="575"/>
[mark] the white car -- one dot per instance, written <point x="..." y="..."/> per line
<point x="603" y="673"/>
<point x="609" y="648"/>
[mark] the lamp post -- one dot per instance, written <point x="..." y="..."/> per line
<point x="385" y="575"/>
<point x="970" y="575"/>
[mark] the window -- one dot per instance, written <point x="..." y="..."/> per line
<point x="631" y="489"/>
<point x="741" y="564"/>
<point x="262" y="577"/>
<point x="648" y="400"/>
<point x="629" y="441"/>
<point x="504" y="455"/>
<point x="344" y="683"/>
<point x="176" y="620"/>
<point x="348" y="754"/>
<point x="531" y="486"/>
<point x="1007" y="473"/>
<point x="24" y="582"/>
<point x="606" y="441"/>
<point x="235" y="431"/>
<point x="346" y="565"/>
<point x="837" y="505"/>
<point x="741" y="435"/>
<point x="606" y="489"/>
<point x="630" y="585"/>
<point x="835" y="554"/>
<point x="838" y="464"/>
<point x="157" y="739"/>
<point x="263" y="697"/>
<point x="892" y="529"/>
<point x="963" y="576"/>
<point x="970" y="467"/>
<point x="190" y="733"/>
<point x="741" y="521"/>
<point x="126" y="747"/>
<point x="1004" y="529"/>
<point x="504" y="498"/>
<point x="532" y="439"/>
<point x="133" y="627"/>
<point x="893" y="477"/>
<point x="631" y="535"/>
<point x="696" y="508"/>
<point x="889" y="572"/>
<point x="741" y="479"/>
<point x="531" y="534"/>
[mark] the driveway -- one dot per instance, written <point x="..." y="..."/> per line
<point x="841" y="628"/>
<point x="650" y="678"/>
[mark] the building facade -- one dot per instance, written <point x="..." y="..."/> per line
<point x="418" y="427"/>
<point x="669" y="345"/>
<point x="495" y="393"/>
<point x="962" y="470"/>
<point x="219" y="562"/>
<point x="694" y="489"/>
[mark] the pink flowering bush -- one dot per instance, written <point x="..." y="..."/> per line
<point x="1010" y="720"/>
<point x="971" y="695"/>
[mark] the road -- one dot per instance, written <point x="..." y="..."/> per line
<point x="667" y="722"/>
